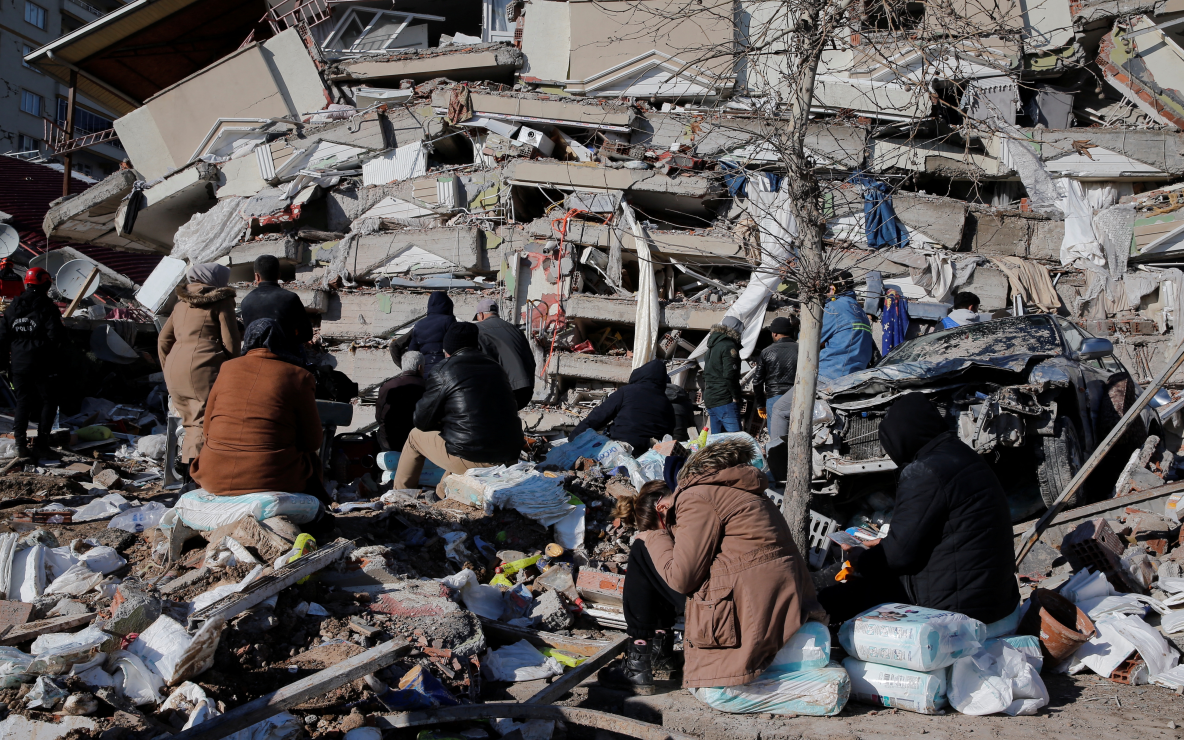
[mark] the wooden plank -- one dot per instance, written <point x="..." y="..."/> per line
<point x="538" y="638"/>
<point x="321" y="682"/>
<point x="571" y="715"/>
<point x="1092" y="511"/>
<point x="33" y="630"/>
<point x="580" y="673"/>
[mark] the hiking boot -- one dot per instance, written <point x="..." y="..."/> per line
<point x="665" y="664"/>
<point x="633" y="675"/>
<point x="22" y="449"/>
<point x="40" y="452"/>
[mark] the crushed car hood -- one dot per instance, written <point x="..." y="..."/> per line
<point x="886" y="378"/>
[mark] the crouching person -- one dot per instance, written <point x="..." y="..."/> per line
<point x="262" y="427"/>
<point x="718" y="539"/>
<point x="467" y="418"/>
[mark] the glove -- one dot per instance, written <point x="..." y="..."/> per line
<point x="761" y="412"/>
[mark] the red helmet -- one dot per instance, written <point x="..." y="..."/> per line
<point x="37" y="276"/>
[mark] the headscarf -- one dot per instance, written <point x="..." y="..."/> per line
<point x="269" y="335"/>
<point x="671" y="467"/>
<point x="912" y="422"/>
<point x="209" y="273"/>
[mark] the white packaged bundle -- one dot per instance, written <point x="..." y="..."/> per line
<point x="900" y="688"/>
<point x="911" y="637"/>
<point x="1004" y="676"/>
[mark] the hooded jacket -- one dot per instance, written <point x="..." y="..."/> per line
<point x="847" y="342"/>
<point x="469" y="402"/>
<point x="427" y="336"/>
<point x="270" y="301"/>
<point x="684" y="411"/>
<point x="730" y="550"/>
<point x="951" y="539"/>
<point x="721" y="368"/>
<point x="775" y="370"/>
<point x="637" y="412"/>
<point x="31" y="334"/>
<point x="506" y="344"/>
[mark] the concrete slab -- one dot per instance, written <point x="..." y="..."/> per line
<point x="1045" y="240"/>
<point x="169" y="204"/>
<point x="89" y="216"/>
<point x="991" y="287"/>
<point x="674" y="316"/>
<point x="940" y="219"/>
<point x="528" y="107"/>
<point x="698" y="248"/>
<point x="477" y="62"/>
<point x="460" y="245"/>
<point x="999" y="235"/>
<point x="570" y="176"/>
<point x="591" y="367"/>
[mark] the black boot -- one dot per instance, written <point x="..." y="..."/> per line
<point x="634" y="675"/>
<point x="664" y="662"/>
<point x="22" y="448"/>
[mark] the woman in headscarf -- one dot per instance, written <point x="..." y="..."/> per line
<point x="263" y="432"/>
<point x="200" y="335"/>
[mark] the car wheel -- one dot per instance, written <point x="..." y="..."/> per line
<point x="1058" y="458"/>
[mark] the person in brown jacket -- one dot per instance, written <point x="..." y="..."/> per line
<point x="200" y="335"/>
<point x="725" y="545"/>
<point x="263" y="431"/>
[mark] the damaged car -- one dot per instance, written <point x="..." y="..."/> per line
<point x="1033" y="394"/>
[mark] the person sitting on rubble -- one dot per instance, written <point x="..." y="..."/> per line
<point x="846" y="340"/>
<point x="427" y="336"/>
<point x="949" y="546"/>
<point x="684" y="411"/>
<point x="721" y="375"/>
<point x="467" y="417"/>
<point x="718" y="539"/>
<point x="777" y="367"/>
<point x="637" y="413"/>
<point x="269" y="301"/>
<point x="200" y="335"/>
<point x="507" y="344"/>
<point x="31" y="337"/>
<point x="965" y="311"/>
<point x="396" y="402"/>
<point x="262" y="427"/>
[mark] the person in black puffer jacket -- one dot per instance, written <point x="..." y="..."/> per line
<point x="637" y="412"/>
<point x="777" y="367"/>
<point x="467" y="417"/>
<point x="950" y="543"/>
<point x="31" y="336"/>
<point x="427" y="336"/>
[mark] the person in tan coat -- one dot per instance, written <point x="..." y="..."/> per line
<point x="726" y="546"/>
<point x="263" y="431"/>
<point x="200" y="335"/>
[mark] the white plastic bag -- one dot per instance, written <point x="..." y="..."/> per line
<point x="519" y="662"/>
<point x="482" y="600"/>
<point x="911" y="637"/>
<point x="900" y="688"/>
<point x="28" y="574"/>
<point x="175" y="655"/>
<point x="135" y="681"/>
<point x="76" y="581"/>
<point x="151" y="446"/>
<point x="139" y="518"/>
<point x="280" y="727"/>
<point x="569" y="531"/>
<point x="1087" y="586"/>
<point x="221" y="592"/>
<point x="191" y="699"/>
<point x="45" y="694"/>
<point x="998" y="678"/>
<point x="101" y="508"/>
<point x="103" y="560"/>
<point x="57" y="653"/>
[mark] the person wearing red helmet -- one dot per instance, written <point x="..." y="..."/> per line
<point x="30" y="336"/>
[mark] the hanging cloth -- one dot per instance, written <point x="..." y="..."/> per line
<point x="881" y="225"/>
<point x="895" y="320"/>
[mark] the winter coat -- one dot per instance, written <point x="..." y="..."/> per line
<point x="262" y="428"/>
<point x="427" y="336"/>
<point x="200" y="335"/>
<point x="721" y="368"/>
<point x="637" y="412"/>
<point x="396" y="410"/>
<point x="270" y="301"/>
<point x="32" y="333"/>
<point x="684" y="411"/>
<point x="776" y="369"/>
<point x="469" y="401"/>
<point x="507" y="345"/>
<point x="847" y="342"/>
<point x="951" y="537"/>
<point x="730" y="550"/>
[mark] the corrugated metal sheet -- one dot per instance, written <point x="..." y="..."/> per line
<point x="27" y="189"/>
<point x="402" y="164"/>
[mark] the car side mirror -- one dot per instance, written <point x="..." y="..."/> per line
<point x="1095" y="348"/>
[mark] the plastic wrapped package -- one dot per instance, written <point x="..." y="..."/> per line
<point x="76" y="581"/>
<point x="206" y="512"/>
<point x="139" y="518"/>
<point x="44" y="694"/>
<point x="900" y="688"/>
<point x="808" y="648"/>
<point x="482" y="600"/>
<point x="14" y="667"/>
<point x="134" y="680"/>
<point x="911" y="637"/>
<point x="55" y="654"/>
<point x="651" y="464"/>
<point x="28" y="574"/>
<point x="519" y="662"/>
<point x="101" y="508"/>
<point x="172" y="653"/>
<point x="997" y="678"/>
<point x="616" y="454"/>
<point x="816" y="692"/>
<point x="105" y="560"/>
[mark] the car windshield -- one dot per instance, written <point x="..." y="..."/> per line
<point x="1011" y="336"/>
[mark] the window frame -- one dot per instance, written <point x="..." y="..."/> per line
<point x="39" y="11"/>
<point x="40" y="103"/>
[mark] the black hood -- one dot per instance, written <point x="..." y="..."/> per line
<point x="653" y="373"/>
<point x="912" y="422"/>
<point x="440" y="303"/>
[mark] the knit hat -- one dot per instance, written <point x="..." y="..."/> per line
<point x="733" y="323"/>
<point x="784" y="326"/>
<point x="460" y="336"/>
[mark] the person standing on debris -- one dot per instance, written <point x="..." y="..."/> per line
<point x="846" y="340"/>
<point x="396" y="403"/>
<point x="718" y="539"/>
<point x="262" y="427"/>
<point x="777" y="366"/>
<point x="269" y="301"/>
<point x="721" y="375"/>
<point x="684" y="411"/>
<point x="950" y="543"/>
<point x="965" y="312"/>
<point x="200" y="335"/>
<point x="427" y="336"/>
<point x="636" y="413"/>
<point x="467" y="417"/>
<point x="30" y="340"/>
<point x="507" y="345"/>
